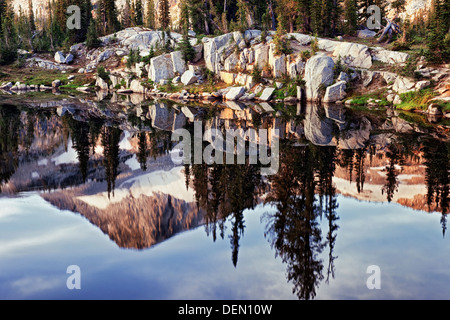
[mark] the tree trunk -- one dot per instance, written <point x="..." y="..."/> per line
<point x="206" y="18"/>
<point x="272" y="14"/>
<point x="389" y="30"/>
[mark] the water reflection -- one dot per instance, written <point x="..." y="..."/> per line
<point x="294" y="230"/>
<point x="118" y="166"/>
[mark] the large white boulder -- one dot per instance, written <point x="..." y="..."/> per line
<point x="354" y="54"/>
<point x="188" y="77"/>
<point x="102" y="84"/>
<point x="279" y="66"/>
<point x="59" y="57"/>
<point x="302" y="39"/>
<point x="391" y="57"/>
<point x="319" y="72"/>
<point x="137" y="87"/>
<point x="69" y="58"/>
<point x="295" y="68"/>
<point x="235" y="93"/>
<point x="231" y="62"/>
<point x="403" y="84"/>
<point x="335" y="92"/>
<point x="261" y="55"/>
<point x="366" y="34"/>
<point x="161" y="68"/>
<point x="179" y="65"/>
<point x="267" y="94"/>
<point x="213" y="51"/>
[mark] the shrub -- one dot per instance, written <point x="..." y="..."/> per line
<point x="305" y="55"/>
<point x="133" y="57"/>
<point x="102" y="73"/>
<point x="315" y="45"/>
<point x="257" y="75"/>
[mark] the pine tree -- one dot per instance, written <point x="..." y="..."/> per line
<point x="304" y="15"/>
<point x="350" y="17"/>
<point x="132" y="13"/>
<point x="438" y="39"/>
<point x="107" y="21"/>
<point x="126" y="15"/>
<point x="138" y="18"/>
<point x="316" y="17"/>
<point x="92" y="40"/>
<point x="242" y="24"/>
<point x="150" y="16"/>
<point x="184" y="17"/>
<point x="8" y="34"/>
<point x="288" y="10"/>
<point x="164" y="14"/>
<point x="32" y="24"/>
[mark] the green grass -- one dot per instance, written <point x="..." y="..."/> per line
<point x="416" y="100"/>
<point x="362" y="101"/>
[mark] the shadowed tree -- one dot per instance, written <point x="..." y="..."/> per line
<point x="9" y="142"/>
<point x="110" y="142"/>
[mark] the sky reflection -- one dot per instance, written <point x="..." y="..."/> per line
<point x="38" y="242"/>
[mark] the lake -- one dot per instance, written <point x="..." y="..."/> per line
<point x="356" y="208"/>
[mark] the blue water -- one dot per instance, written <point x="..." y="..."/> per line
<point x="38" y="242"/>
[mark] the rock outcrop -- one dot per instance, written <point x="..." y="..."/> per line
<point x="319" y="74"/>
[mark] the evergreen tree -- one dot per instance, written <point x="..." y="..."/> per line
<point x="198" y="16"/>
<point x="107" y="21"/>
<point x="143" y="150"/>
<point x="110" y="142"/>
<point x="288" y="11"/>
<point x="8" y="34"/>
<point x="304" y="15"/>
<point x="316" y="17"/>
<point x="56" y="32"/>
<point x="126" y="15"/>
<point x="438" y="39"/>
<point x="185" y="23"/>
<point x="92" y="40"/>
<point x="350" y="17"/>
<point x="31" y="22"/>
<point x="138" y="16"/>
<point x="164" y="14"/>
<point x="150" y="16"/>
<point x="186" y="48"/>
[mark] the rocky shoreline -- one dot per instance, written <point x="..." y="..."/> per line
<point x="247" y="67"/>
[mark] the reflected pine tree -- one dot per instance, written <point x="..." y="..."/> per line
<point x="436" y="155"/>
<point x="95" y="129"/>
<point x="29" y="134"/>
<point x="360" y="156"/>
<point x="142" y="150"/>
<point x="294" y="230"/>
<point x="394" y="155"/>
<point x="110" y="143"/>
<point x="354" y="162"/>
<point x="79" y="132"/>
<point x="346" y="161"/>
<point x="224" y="192"/>
<point x="9" y="142"/>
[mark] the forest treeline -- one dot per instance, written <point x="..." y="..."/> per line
<point x="48" y="32"/>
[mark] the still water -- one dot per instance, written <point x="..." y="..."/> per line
<point x="82" y="185"/>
